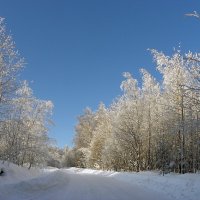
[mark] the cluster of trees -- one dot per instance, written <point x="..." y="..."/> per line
<point x="24" y="119"/>
<point x="152" y="126"/>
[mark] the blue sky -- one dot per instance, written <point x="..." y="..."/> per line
<point x="77" y="50"/>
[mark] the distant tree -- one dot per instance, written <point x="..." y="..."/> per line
<point x="84" y="129"/>
<point x="55" y="156"/>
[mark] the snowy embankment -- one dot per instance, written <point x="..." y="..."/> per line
<point x="175" y="186"/>
<point x="14" y="173"/>
<point x="22" y="184"/>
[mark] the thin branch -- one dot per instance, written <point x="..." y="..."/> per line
<point x="191" y="59"/>
<point x="194" y="14"/>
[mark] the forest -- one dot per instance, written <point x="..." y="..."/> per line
<point x="155" y="126"/>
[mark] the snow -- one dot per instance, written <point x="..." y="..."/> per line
<point x="14" y="173"/>
<point x="85" y="184"/>
<point x="174" y="186"/>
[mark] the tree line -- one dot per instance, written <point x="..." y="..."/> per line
<point x="155" y="126"/>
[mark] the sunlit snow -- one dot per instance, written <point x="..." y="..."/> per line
<point x="64" y="184"/>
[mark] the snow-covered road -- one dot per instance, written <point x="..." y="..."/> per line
<point x="67" y="184"/>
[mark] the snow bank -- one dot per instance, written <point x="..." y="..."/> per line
<point x="14" y="173"/>
<point x="19" y="183"/>
<point x="173" y="186"/>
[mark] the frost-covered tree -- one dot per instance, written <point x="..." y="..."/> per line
<point x="25" y="133"/>
<point x="176" y="80"/>
<point x="152" y="127"/>
<point x="56" y="156"/>
<point x="10" y="65"/>
<point x="24" y="119"/>
<point x="128" y="127"/>
<point x="84" y="129"/>
<point x="151" y="98"/>
<point x="102" y="131"/>
<point x="70" y="158"/>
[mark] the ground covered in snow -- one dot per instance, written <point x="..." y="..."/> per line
<point x="83" y="184"/>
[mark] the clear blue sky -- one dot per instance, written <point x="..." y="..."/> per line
<point x="76" y="50"/>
